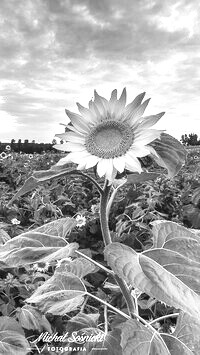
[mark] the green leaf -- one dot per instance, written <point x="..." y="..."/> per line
<point x="45" y="243"/>
<point x="41" y="176"/>
<point x="111" y="343"/>
<point x="163" y="274"/>
<point x="4" y="237"/>
<point x="136" y="339"/>
<point x="31" y="247"/>
<point x="12" y="338"/>
<point x="79" y="267"/>
<point x="170" y="235"/>
<point x="82" y="320"/>
<point x="196" y="196"/>
<point x="31" y="318"/>
<point x="60" y="227"/>
<point x="171" y="153"/>
<point x="60" y="294"/>
<point x="99" y="343"/>
<point x="191" y="214"/>
<point x="186" y="337"/>
<point x="61" y="253"/>
<point x="176" y="346"/>
<point x="140" y="178"/>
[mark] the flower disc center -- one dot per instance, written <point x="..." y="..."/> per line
<point x="109" y="139"/>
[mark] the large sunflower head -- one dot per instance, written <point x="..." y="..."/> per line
<point x="109" y="135"/>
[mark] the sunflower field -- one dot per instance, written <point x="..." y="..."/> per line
<point x="75" y="203"/>
<point x="103" y="259"/>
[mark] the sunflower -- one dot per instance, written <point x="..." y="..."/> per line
<point x="8" y="147"/>
<point x="3" y="155"/>
<point x="109" y="135"/>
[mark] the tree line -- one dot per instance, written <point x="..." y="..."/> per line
<point x="27" y="147"/>
<point x="191" y="139"/>
<point x="33" y="147"/>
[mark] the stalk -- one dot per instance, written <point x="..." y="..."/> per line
<point x="107" y="240"/>
<point x="103" y="214"/>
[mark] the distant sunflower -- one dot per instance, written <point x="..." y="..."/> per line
<point x="109" y="135"/>
<point x="3" y="155"/>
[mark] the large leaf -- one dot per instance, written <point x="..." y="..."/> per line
<point x="31" y="247"/>
<point x="110" y="345"/>
<point x="140" y="178"/>
<point x="60" y="294"/>
<point x="45" y="243"/>
<point x="136" y="339"/>
<point x="186" y="338"/>
<point x="172" y="236"/>
<point x="191" y="215"/>
<point x="79" y="267"/>
<point x="31" y="318"/>
<point x="196" y="196"/>
<point x="41" y="176"/>
<point x="60" y="227"/>
<point x="99" y="343"/>
<point x="163" y="274"/>
<point x="12" y="338"/>
<point x="4" y="237"/>
<point x="171" y="153"/>
<point x="61" y="253"/>
<point x="80" y="321"/>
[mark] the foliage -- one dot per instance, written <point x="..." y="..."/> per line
<point x="56" y="277"/>
<point x="190" y="140"/>
<point x="27" y="147"/>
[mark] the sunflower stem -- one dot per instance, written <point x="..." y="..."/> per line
<point x="104" y="218"/>
<point x="103" y="214"/>
<point x="91" y="179"/>
<point x="115" y="190"/>
<point x="164" y="317"/>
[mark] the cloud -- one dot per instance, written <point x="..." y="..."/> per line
<point x="55" y="52"/>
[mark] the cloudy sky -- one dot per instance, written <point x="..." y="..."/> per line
<point x="56" y="52"/>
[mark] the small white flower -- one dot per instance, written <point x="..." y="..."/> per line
<point x="95" y="208"/>
<point x="8" y="147"/>
<point x="15" y="221"/>
<point x="3" y="155"/>
<point x="172" y="329"/>
<point x="41" y="267"/>
<point x="63" y="262"/>
<point x="81" y="220"/>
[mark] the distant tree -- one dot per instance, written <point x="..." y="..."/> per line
<point x="54" y="141"/>
<point x="26" y="146"/>
<point x="184" y="139"/>
<point x="12" y="143"/>
<point x="19" y="145"/>
<point x="191" y="139"/>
